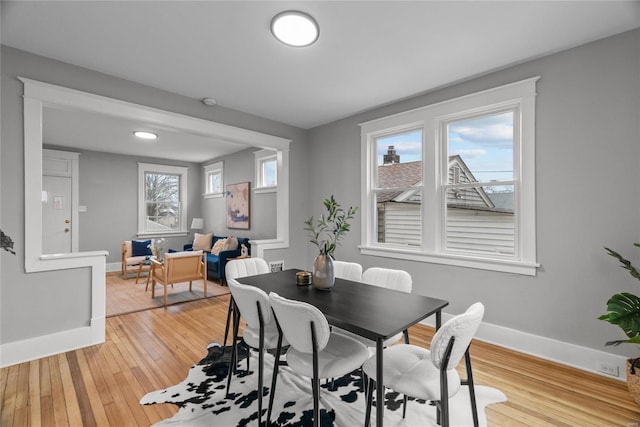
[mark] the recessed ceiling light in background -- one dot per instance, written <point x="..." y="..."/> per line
<point x="295" y="28"/>
<point x="145" y="135"/>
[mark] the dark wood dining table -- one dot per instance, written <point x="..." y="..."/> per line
<point x="372" y="312"/>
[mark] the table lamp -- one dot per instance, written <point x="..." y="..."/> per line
<point x="197" y="224"/>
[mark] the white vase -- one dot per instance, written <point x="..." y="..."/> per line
<point x="323" y="277"/>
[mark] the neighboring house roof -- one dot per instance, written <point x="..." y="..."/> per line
<point x="403" y="175"/>
<point x="502" y="200"/>
<point x="398" y="175"/>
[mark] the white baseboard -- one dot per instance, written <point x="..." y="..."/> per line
<point x="584" y="358"/>
<point x="114" y="266"/>
<point x="47" y="345"/>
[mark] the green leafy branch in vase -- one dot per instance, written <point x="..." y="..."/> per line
<point x="327" y="231"/>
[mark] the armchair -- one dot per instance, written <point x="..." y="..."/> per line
<point x="178" y="267"/>
<point x="134" y="253"/>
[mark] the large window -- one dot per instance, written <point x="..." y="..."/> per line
<point x="162" y="199"/>
<point x="454" y="183"/>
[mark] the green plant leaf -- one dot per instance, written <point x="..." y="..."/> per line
<point x="624" y="311"/>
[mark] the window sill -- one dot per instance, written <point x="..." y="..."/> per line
<point x="261" y="190"/>
<point x="213" y="195"/>
<point x="163" y="234"/>
<point x="504" y="266"/>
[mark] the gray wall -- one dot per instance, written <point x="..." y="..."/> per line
<point x="37" y="304"/>
<point x="240" y="167"/>
<point x="587" y="152"/>
<point x="108" y="185"/>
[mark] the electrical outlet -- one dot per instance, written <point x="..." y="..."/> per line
<point x="608" y="368"/>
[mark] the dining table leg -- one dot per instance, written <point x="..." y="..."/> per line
<point x="379" y="384"/>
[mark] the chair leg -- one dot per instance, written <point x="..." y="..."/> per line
<point x="260" y="382"/>
<point x="274" y="378"/>
<point x="315" y="386"/>
<point x="370" y="387"/>
<point x="472" y="388"/>
<point x="226" y="328"/>
<point x="404" y="406"/>
<point x="234" y="340"/>
<point x="165" y="295"/>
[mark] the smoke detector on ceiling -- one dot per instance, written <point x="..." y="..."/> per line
<point x="209" y="101"/>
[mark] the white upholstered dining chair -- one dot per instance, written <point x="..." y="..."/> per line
<point x="260" y="332"/>
<point x="315" y="351"/>
<point x="431" y="374"/>
<point x="238" y="268"/>
<point x="347" y="270"/>
<point x="398" y="280"/>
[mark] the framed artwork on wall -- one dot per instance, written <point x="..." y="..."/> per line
<point x="238" y="201"/>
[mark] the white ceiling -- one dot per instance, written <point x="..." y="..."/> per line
<point x="368" y="53"/>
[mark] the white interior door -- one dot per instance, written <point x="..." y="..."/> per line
<point x="57" y="228"/>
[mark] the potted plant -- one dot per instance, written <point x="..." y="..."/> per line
<point x="623" y="309"/>
<point x="326" y="233"/>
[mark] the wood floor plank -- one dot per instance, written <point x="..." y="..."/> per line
<point x="88" y="376"/>
<point x="149" y="350"/>
<point x="34" y="394"/>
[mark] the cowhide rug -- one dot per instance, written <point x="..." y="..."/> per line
<point x="202" y="401"/>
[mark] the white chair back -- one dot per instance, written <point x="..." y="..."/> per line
<point x="389" y="278"/>
<point x="295" y="317"/>
<point x="245" y="267"/>
<point x="246" y="298"/>
<point x="347" y="270"/>
<point x="463" y="327"/>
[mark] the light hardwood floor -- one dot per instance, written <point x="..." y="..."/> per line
<point x="153" y="349"/>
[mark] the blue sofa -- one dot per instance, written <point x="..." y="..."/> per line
<point x="216" y="263"/>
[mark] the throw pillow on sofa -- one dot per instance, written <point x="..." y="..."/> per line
<point x="202" y="242"/>
<point x="141" y="248"/>
<point x="232" y="243"/>
<point x="219" y="246"/>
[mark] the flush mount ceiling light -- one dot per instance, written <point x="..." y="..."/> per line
<point x="295" y="28"/>
<point x="145" y="135"/>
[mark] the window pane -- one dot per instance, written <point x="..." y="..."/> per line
<point x="399" y="160"/>
<point x="399" y="166"/>
<point x="399" y="222"/>
<point x="269" y="173"/>
<point x="162" y="201"/>
<point x="213" y="183"/>
<point x="481" y="220"/>
<point x="482" y="148"/>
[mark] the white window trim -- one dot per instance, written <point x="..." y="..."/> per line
<point x="171" y="170"/>
<point x="521" y="94"/>
<point x="210" y="169"/>
<point x="260" y="157"/>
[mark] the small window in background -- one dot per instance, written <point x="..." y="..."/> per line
<point x="269" y="173"/>
<point x="266" y="171"/>
<point x="213" y="178"/>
